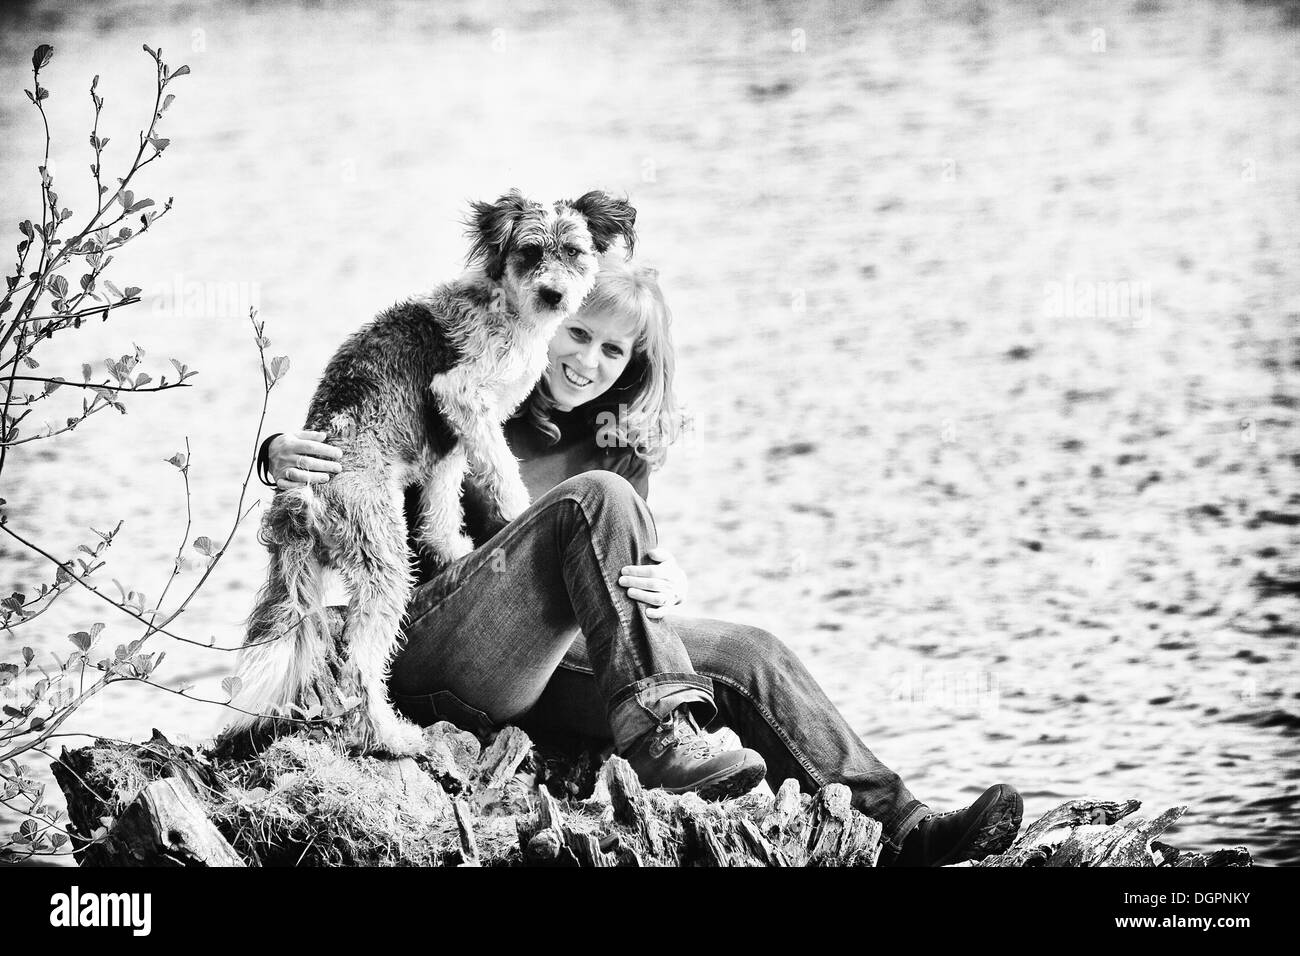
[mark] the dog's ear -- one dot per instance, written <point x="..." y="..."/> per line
<point x="608" y="219"/>
<point x="490" y="226"/>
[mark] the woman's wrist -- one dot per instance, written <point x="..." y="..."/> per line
<point x="264" y="461"/>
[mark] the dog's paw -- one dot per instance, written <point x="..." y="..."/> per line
<point x="446" y="552"/>
<point x="400" y="739"/>
<point x="511" y="503"/>
<point x="390" y="738"/>
<point x="459" y="546"/>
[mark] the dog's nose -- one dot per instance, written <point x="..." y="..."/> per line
<point x="550" y="296"/>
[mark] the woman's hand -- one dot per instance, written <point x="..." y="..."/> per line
<point x="658" y="586"/>
<point x="302" y="459"/>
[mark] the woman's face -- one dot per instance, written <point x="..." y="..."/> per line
<point x="588" y="353"/>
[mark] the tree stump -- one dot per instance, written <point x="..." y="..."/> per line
<point x="304" y="801"/>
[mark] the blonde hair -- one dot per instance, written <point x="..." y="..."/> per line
<point x="640" y="410"/>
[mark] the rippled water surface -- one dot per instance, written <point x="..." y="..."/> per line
<point x="1014" y="540"/>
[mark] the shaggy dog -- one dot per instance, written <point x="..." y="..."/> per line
<point x="418" y="396"/>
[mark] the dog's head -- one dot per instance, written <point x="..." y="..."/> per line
<point x="546" y="258"/>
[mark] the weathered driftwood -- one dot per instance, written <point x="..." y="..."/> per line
<point x="167" y="824"/>
<point x="1101" y="833"/>
<point x="146" y="803"/>
<point x="304" y="801"/>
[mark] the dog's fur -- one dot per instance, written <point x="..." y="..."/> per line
<point x="418" y="396"/>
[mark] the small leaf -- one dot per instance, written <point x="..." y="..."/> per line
<point x="232" y="686"/>
<point x="177" y="459"/>
<point x="42" y="56"/>
<point x="180" y="71"/>
<point x="203" y="545"/>
<point x="142" y="379"/>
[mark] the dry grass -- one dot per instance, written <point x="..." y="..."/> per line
<point x="307" y="802"/>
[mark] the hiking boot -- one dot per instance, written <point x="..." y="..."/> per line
<point x="676" y="756"/>
<point x="987" y="826"/>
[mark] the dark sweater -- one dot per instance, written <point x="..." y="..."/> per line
<point x="543" y="466"/>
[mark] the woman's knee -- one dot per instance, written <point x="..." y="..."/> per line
<point x="599" y="503"/>
<point x="598" y="486"/>
<point x="604" y="496"/>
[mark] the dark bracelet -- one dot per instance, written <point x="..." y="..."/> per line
<point x="264" y="461"/>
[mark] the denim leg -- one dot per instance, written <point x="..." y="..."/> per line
<point x="491" y="629"/>
<point x="765" y="694"/>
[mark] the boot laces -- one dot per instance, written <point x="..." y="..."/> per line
<point x="679" y="730"/>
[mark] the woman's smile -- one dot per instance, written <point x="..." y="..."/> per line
<point x="587" y="355"/>
<point x="576" y="380"/>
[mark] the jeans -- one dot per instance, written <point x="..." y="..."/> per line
<point x="533" y="628"/>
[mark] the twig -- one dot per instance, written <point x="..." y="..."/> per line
<point x="305" y="721"/>
<point x="115" y="388"/>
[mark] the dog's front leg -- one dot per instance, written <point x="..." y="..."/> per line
<point x="441" y="512"/>
<point x="496" y="471"/>
<point x="474" y="417"/>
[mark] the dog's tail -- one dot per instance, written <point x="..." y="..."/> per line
<point x="288" y="631"/>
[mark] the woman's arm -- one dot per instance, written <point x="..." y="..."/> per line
<point x="298" y="459"/>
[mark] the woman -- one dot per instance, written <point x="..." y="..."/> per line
<point x="557" y="620"/>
